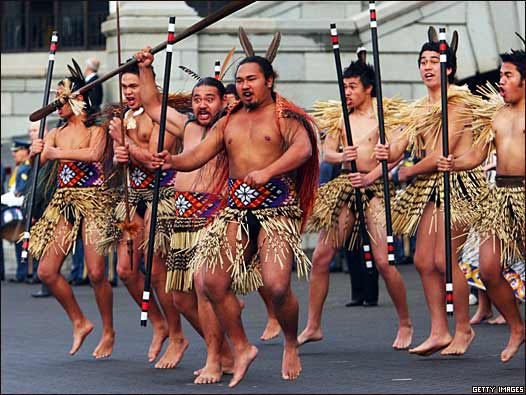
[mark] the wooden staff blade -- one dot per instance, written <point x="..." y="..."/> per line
<point x="127" y="227"/>
<point x="366" y="244"/>
<point x="445" y="152"/>
<point x="36" y="161"/>
<point x="381" y="129"/>
<point x="230" y="8"/>
<point x="157" y="182"/>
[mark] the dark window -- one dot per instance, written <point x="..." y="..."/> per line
<point x="27" y="25"/>
<point x="204" y="8"/>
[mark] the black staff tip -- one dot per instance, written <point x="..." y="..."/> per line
<point x="172" y="19"/>
<point x="55" y="33"/>
<point x="442" y="30"/>
<point x="333" y="25"/>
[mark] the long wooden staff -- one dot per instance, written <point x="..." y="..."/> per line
<point x="158" y="172"/>
<point x="230" y="8"/>
<point x="381" y="129"/>
<point x="359" y="204"/>
<point x="126" y="227"/>
<point x="36" y="161"/>
<point x="445" y="152"/>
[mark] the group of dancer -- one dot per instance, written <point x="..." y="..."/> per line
<point x="239" y="185"/>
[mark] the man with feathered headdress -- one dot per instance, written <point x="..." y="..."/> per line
<point x="499" y="218"/>
<point x="419" y="208"/>
<point x="79" y="204"/>
<point x="273" y="167"/>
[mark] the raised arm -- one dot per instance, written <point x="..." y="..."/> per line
<point x="151" y="98"/>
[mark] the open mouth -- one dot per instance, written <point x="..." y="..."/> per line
<point x="429" y="76"/>
<point x="247" y="95"/>
<point x="130" y="101"/>
<point x="204" y="115"/>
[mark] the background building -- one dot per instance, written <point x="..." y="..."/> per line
<point x="305" y="61"/>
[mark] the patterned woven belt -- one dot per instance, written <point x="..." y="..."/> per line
<point x="80" y="174"/>
<point x="142" y="179"/>
<point x="196" y="204"/>
<point x="280" y="191"/>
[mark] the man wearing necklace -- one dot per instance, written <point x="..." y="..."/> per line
<point x="335" y="215"/>
<point x="79" y="204"/>
<point x="419" y="208"/>
<point x="141" y="139"/>
<point x="272" y="169"/>
<point x="499" y="218"/>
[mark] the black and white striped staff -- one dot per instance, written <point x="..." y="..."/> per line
<point x="36" y="161"/>
<point x="359" y="204"/>
<point x="445" y="152"/>
<point x="381" y="129"/>
<point x="155" y="201"/>
<point x="217" y="69"/>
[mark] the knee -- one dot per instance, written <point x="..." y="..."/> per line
<point x="125" y="273"/>
<point x="422" y="264"/>
<point x="488" y="272"/>
<point x="46" y="275"/>
<point x="321" y="259"/>
<point x="213" y="290"/>
<point x="383" y="267"/>
<point x="278" y="293"/>
<point x="440" y="264"/>
<point x="96" y="276"/>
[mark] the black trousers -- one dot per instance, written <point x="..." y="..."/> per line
<point x="364" y="286"/>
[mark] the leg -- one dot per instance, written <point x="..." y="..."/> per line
<point x="501" y="294"/>
<point x="226" y="306"/>
<point x="464" y="334"/>
<point x="133" y="279"/>
<point x="272" y="329"/>
<point x="392" y="278"/>
<point x="483" y="310"/>
<point x="433" y="283"/>
<point x="319" y="281"/>
<point x="177" y="343"/>
<point x="103" y="295"/>
<point x="277" y="281"/>
<point x="219" y="357"/>
<point x="49" y="273"/>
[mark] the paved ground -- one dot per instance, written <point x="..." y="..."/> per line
<point x="355" y="356"/>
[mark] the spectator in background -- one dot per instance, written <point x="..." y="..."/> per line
<point x="95" y="94"/>
<point x="2" y="265"/>
<point x="231" y="95"/>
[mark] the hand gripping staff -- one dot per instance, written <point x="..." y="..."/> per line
<point x="127" y="227"/>
<point x="359" y="204"/>
<point x="157" y="181"/>
<point x="36" y="161"/>
<point x="230" y="8"/>
<point x="445" y="152"/>
<point x="381" y="129"/>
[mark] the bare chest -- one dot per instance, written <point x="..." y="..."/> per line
<point x="73" y="137"/>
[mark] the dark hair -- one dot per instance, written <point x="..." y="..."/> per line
<point x="134" y="69"/>
<point x="451" y="58"/>
<point x="363" y="71"/>
<point x="211" y="81"/>
<point x="231" y="88"/>
<point x="265" y="67"/>
<point x="517" y="58"/>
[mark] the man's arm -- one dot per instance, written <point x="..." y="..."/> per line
<point x="394" y="149"/>
<point x="43" y="147"/>
<point x="196" y="157"/>
<point x="151" y="98"/>
<point x="467" y="161"/>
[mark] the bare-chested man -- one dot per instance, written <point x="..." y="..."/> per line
<point x="419" y="209"/>
<point x="142" y="135"/>
<point x="500" y="217"/>
<point x="273" y="164"/>
<point x="335" y="212"/>
<point x="79" y="204"/>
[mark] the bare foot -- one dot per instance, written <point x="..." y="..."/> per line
<point x="80" y="331"/>
<point x="291" y="364"/>
<point x="211" y="373"/>
<point x="173" y="354"/>
<point x="242" y="363"/>
<point x="431" y="345"/>
<point x="500" y="320"/>
<point x="403" y="338"/>
<point x="105" y="347"/>
<point x="272" y="330"/>
<point x="480" y="316"/>
<point x="460" y="343"/>
<point x="516" y="340"/>
<point x="227" y="365"/>
<point x="160" y="334"/>
<point x="308" y="336"/>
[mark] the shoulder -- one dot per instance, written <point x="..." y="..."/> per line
<point x="96" y="129"/>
